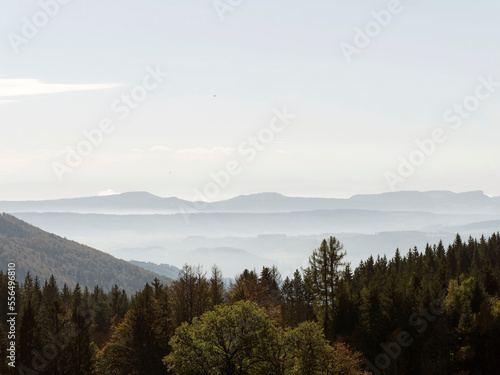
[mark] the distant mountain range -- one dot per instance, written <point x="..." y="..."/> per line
<point x="44" y="254"/>
<point x="250" y="231"/>
<point x="145" y="203"/>
<point x="166" y="270"/>
<point x="247" y="224"/>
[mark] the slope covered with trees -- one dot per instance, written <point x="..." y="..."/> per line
<point x="430" y="312"/>
<point x="45" y="254"/>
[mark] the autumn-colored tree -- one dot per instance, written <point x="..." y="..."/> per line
<point x="345" y="361"/>
<point x="247" y="288"/>
<point x="190" y="294"/>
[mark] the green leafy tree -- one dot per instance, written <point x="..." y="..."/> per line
<point x="229" y="340"/>
<point x="311" y="352"/>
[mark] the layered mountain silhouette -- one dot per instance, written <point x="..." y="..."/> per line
<point x="161" y="269"/>
<point x="146" y="203"/>
<point x="259" y="229"/>
<point x="43" y="254"/>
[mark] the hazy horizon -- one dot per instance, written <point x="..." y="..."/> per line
<point x="108" y="193"/>
<point x="322" y="175"/>
<point x="329" y="100"/>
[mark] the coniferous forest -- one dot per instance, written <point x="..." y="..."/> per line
<point x="435" y="311"/>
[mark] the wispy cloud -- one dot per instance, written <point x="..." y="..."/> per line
<point x="200" y="153"/>
<point x="107" y="192"/>
<point x="15" y="88"/>
<point x="13" y="161"/>
<point x="160" y="148"/>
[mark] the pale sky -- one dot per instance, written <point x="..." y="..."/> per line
<point x="226" y="78"/>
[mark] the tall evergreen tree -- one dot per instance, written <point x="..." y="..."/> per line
<point x="80" y="358"/>
<point x="29" y="334"/>
<point x="322" y="277"/>
<point x="216" y="287"/>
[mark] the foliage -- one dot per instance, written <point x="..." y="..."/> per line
<point x="430" y="312"/>
<point x="242" y="339"/>
<point x="234" y="339"/>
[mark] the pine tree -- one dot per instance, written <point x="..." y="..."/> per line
<point x="322" y="277"/>
<point x="297" y="301"/>
<point x="101" y="316"/>
<point x="29" y="334"/>
<point x="4" y="367"/>
<point x="133" y="348"/>
<point x="52" y="322"/>
<point x="190" y="294"/>
<point x="216" y="287"/>
<point x="117" y="306"/>
<point x="81" y="356"/>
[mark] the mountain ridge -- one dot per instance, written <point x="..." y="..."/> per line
<point x="43" y="254"/>
<point x="435" y="201"/>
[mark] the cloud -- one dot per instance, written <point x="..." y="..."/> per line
<point x="107" y="192"/>
<point x="14" y="88"/>
<point x="120" y="157"/>
<point x="17" y="161"/>
<point x="200" y="153"/>
<point x="160" y="148"/>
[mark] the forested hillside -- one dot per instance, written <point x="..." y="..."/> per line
<point x="45" y="254"/>
<point x="430" y="312"/>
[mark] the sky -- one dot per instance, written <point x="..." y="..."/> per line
<point x="209" y="99"/>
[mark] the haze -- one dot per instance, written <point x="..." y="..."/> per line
<point x="227" y="77"/>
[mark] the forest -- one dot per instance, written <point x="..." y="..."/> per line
<point x="44" y="254"/>
<point x="435" y="311"/>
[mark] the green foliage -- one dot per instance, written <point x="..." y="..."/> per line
<point x="228" y="340"/>
<point x="322" y="321"/>
<point x="311" y="353"/>
<point x="242" y="339"/>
